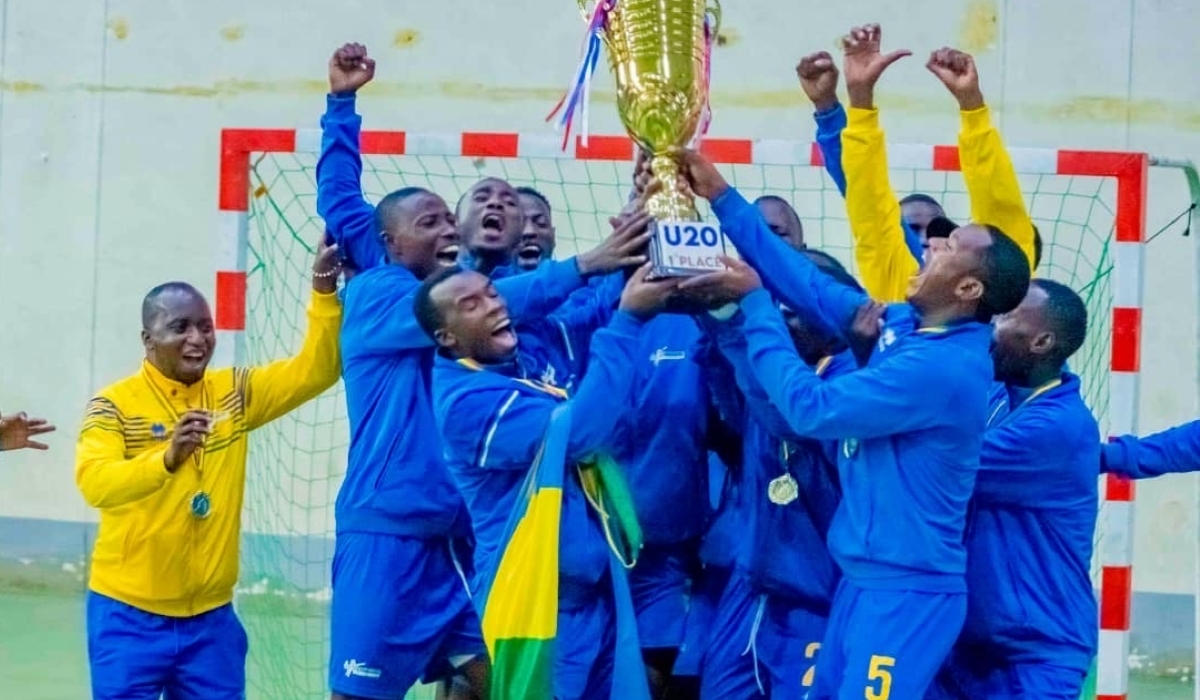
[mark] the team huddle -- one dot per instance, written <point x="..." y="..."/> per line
<point x="781" y="480"/>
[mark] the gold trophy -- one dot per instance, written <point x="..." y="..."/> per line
<point x="658" y="52"/>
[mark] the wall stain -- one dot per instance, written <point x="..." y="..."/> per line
<point x="980" y="26"/>
<point x="1077" y="110"/>
<point x="119" y="27"/>
<point x="405" y="38"/>
<point x="233" y="32"/>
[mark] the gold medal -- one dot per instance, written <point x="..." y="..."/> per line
<point x="783" y="490"/>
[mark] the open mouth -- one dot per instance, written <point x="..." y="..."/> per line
<point x="194" y="358"/>
<point x="447" y="256"/>
<point x="504" y="326"/>
<point x="530" y="253"/>
<point x="493" y="223"/>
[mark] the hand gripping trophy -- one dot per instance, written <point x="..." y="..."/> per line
<point x="659" y="52"/>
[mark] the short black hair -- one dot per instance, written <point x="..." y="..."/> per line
<point x="1067" y="315"/>
<point x="831" y="266"/>
<point x="386" y="209"/>
<point x="1037" y="246"/>
<point x="939" y="227"/>
<point x="922" y="198"/>
<point x="426" y="312"/>
<point x="793" y="214"/>
<point x="1004" y="269"/>
<point x="530" y="192"/>
<point x="150" y="306"/>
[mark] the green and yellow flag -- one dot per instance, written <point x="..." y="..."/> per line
<point x="520" y="612"/>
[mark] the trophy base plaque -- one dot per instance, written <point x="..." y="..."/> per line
<point x="686" y="249"/>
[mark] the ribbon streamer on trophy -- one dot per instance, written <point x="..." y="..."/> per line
<point x="660" y="52"/>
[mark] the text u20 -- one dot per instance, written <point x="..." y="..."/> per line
<point x="689" y="235"/>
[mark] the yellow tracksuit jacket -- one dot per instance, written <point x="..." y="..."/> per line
<point x="152" y="553"/>
<point x="885" y="263"/>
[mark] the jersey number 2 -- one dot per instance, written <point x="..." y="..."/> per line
<point x="880" y="676"/>
<point x="810" y="652"/>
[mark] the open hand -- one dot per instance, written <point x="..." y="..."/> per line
<point x="863" y="63"/>
<point x="956" y="70"/>
<point x="818" y="79"/>
<point x="642" y="297"/>
<point x="626" y="246"/>
<point x="16" y="429"/>
<point x="725" y="286"/>
<point x="350" y="68"/>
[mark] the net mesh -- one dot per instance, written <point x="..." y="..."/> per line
<point x="297" y="462"/>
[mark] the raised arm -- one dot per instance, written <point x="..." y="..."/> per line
<point x="987" y="169"/>
<point x="818" y="81"/>
<point x="790" y="276"/>
<point x="871" y="402"/>
<point x="274" y="389"/>
<point x="885" y="262"/>
<point x="348" y="216"/>
<point x="1173" y="451"/>
<point x="517" y="425"/>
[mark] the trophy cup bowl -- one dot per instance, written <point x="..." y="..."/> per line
<point x="656" y="49"/>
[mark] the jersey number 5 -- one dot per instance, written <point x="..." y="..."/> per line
<point x="881" y="678"/>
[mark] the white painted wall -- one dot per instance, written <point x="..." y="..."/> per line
<point x="110" y="114"/>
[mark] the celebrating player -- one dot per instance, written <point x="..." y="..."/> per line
<point x="777" y="603"/>
<point x="538" y="238"/>
<point x="491" y="221"/>
<point x="910" y="434"/>
<point x="400" y="610"/>
<point x="1030" y="630"/>
<point x="16" y="429"/>
<point x="884" y="260"/>
<point x="818" y="80"/>
<point x="162" y="455"/>
<point x="481" y="374"/>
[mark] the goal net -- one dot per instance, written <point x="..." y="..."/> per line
<point x="298" y="461"/>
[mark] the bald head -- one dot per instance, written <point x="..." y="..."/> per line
<point x="178" y="331"/>
<point x="166" y="296"/>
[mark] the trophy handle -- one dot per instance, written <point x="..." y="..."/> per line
<point x="714" y="9"/>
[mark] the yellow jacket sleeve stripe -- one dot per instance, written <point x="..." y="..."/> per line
<point x="104" y="476"/>
<point x="884" y="261"/>
<point x="274" y="389"/>
<point x="991" y="180"/>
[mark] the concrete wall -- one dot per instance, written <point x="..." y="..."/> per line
<point x="110" y="114"/>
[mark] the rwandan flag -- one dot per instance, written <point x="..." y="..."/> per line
<point x="520" y="617"/>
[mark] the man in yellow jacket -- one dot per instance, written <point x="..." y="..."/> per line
<point x="885" y="263"/>
<point x="162" y="455"/>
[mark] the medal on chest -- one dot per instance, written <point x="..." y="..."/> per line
<point x="201" y="505"/>
<point x="783" y="489"/>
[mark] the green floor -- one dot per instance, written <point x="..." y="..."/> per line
<point x="43" y="655"/>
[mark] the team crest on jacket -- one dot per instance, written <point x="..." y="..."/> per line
<point x="886" y="339"/>
<point x="158" y="431"/>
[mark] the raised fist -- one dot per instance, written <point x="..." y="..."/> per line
<point x="956" y="70"/>
<point x="350" y="68"/>
<point x="818" y="79"/>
